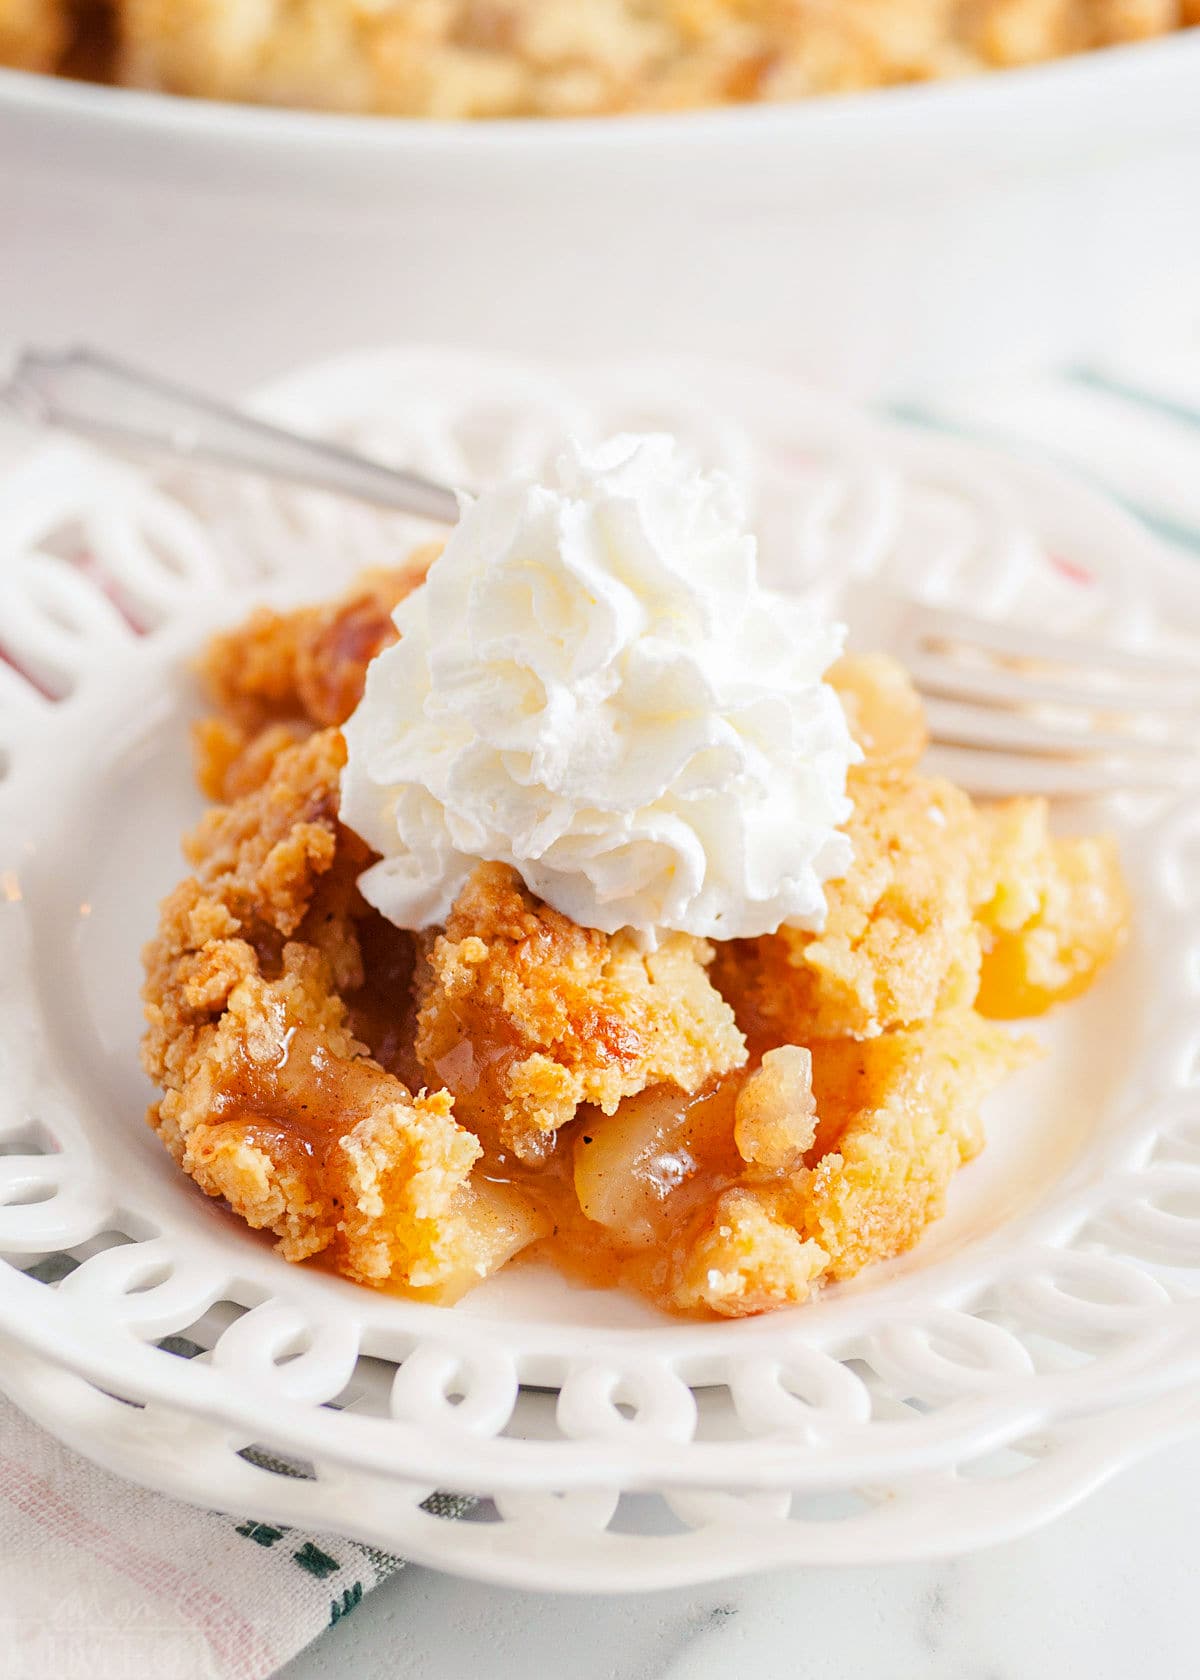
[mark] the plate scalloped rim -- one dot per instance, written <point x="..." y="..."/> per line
<point x="1104" y="1269"/>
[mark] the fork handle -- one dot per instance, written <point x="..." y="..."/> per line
<point x="99" y="397"/>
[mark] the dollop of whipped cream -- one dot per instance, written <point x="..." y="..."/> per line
<point x="593" y="687"/>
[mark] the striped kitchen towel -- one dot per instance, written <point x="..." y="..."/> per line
<point x="102" y="1580"/>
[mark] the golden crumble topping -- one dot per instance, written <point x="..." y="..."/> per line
<point x="745" y="1256"/>
<point x="525" y="1015"/>
<point x="1057" y="914"/>
<point x="899" y="1115"/>
<point x="883" y="709"/>
<point x="948" y="903"/>
<point x="900" y="940"/>
<point x="494" y="58"/>
<point x="312" y="661"/>
<point x="33" y="33"/>
<point x="575" y="1096"/>
<point x="269" y="1100"/>
<point x="559" y="58"/>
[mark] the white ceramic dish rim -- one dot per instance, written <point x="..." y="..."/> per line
<point x="459" y="1447"/>
<point x="555" y="1544"/>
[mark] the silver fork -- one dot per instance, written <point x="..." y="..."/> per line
<point x="1010" y="710"/>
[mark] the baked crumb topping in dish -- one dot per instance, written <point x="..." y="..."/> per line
<point x="506" y="58"/>
<point x="721" y="1126"/>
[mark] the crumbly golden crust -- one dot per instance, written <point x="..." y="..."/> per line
<point x="280" y="674"/>
<point x="883" y="709"/>
<point x="33" y="34"/>
<point x="491" y="58"/>
<point x="947" y="903"/>
<point x="743" y="1257"/>
<point x="899" y="1116"/>
<point x="525" y="1015"/>
<point x="269" y="1100"/>
<point x="1057" y="914"/>
<point x="257" y="865"/>
<point x="900" y="940"/>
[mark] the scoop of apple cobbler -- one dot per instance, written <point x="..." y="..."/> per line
<point x="556" y="58"/>
<point x="722" y="1128"/>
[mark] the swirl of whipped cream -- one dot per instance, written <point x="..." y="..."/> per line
<point x="592" y="686"/>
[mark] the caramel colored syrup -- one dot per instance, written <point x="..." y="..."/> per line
<point x="298" y="1106"/>
<point x="691" y="1158"/>
<point x="335" y="671"/>
<point x="575" y="1244"/>
<point x="383" y="1012"/>
<point x="686" y="1163"/>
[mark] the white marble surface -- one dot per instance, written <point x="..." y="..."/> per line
<point x="1106" y="1592"/>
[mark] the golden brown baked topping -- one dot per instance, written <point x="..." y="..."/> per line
<point x="900" y="941"/>
<point x="33" y="33"/>
<point x="1058" y="912"/>
<point x="524" y="1015"/>
<point x="883" y="709"/>
<point x="282" y="674"/>
<point x="495" y="58"/>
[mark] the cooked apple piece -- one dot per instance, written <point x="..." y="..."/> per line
<point x="775" y="1117"/>
<point x="629" y="1165"/>
<point x="491" y="1223"/>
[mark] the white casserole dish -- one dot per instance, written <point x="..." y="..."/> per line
<point x="876" y="242"/>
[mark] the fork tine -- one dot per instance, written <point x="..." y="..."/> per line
<point x="1013" y="641"/>
<point x="990" y="728"/>
<point x="998" y="775"/>
<point x="936" y="674"/>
